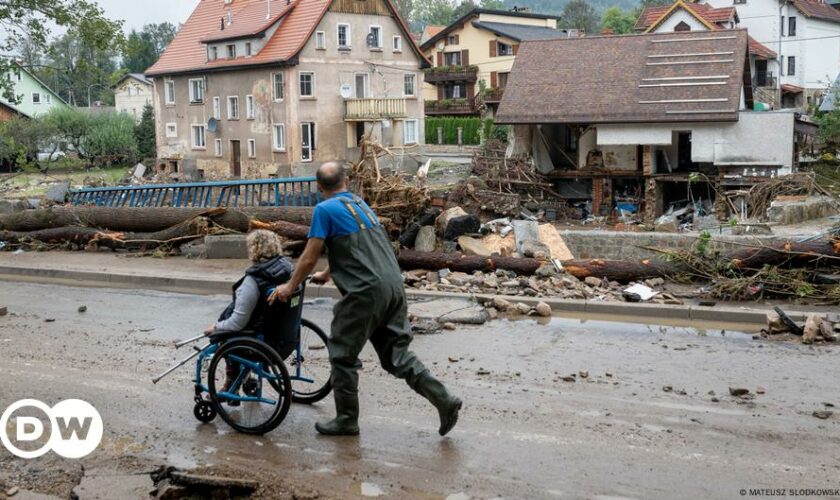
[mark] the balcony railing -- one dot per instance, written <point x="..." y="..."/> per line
<point x="443" y="74"/>
<point x="494" y="95"/>
<point x="374" y="109"/>
<point x="452" y="107"/>
<point x="766" y="79"/>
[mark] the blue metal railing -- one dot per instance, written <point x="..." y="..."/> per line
<point x="287" y="192"/>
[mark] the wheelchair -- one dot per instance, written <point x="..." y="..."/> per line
<point x="243" y="376"/>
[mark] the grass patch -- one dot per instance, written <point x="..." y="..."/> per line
<point x="35" y="184"/>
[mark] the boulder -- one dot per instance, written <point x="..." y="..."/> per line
<point x="501" y="304"/>
<point x="473" y="246"/>
<point x="543" y="309"/>
<point x="811" y="329"/>
<point x="525" y="230"/>
<point x="443" y="219"/>
<point x="535" y="249"/>
<point x="426" y="240"/>
<point x="458" y="226"/>
<point x="593" y="281"/>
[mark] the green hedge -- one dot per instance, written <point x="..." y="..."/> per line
<point x="471" y="125"/>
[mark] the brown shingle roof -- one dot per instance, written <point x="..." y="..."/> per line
<point x="187" y="53"/>
<point x="626" y="79"/>
<point x="817" y="10"/>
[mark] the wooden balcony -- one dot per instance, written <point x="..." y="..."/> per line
<point x="451" y="74"/>
<point x="452" y="107"/>
<point x="374" y="109"/>
<point x="494" y="95"/>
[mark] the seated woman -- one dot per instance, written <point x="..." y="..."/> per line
<point x="250" y="294"/>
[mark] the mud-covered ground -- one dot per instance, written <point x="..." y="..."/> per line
<point x="554" y="409"/>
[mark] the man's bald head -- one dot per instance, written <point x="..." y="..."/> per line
<point x="331" y="176"/>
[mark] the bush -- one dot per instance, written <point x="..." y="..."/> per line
<point x="450" y="124"/>
<point x="20" y="141"/>
<point x="110" y="140"/>
<point x="491" y="131"/>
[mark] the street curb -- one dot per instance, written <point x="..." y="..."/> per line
<point x="625" y="310"/>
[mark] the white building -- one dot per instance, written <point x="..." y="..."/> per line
<point x="805" y="33"/>
<point x="132" y="93"/>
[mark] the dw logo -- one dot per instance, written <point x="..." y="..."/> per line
<point x="73" y="428"/>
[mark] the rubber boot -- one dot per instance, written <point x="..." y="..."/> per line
<point x="346" y="421"/>
<point x="447" y="405"/>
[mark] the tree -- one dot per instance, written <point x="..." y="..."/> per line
<point x="578" y="14"/>
<point x="110" y="140"/>
<point x="440" y="12"/>
<point x="828" y="135"/>
<point x="463" y="8"/>
<point x="32" y="19"/>
<point x="493" y="4"/>
<point x="145" y="134"/>
<point x="142" y="49"/>
<point x="644" y="4"/>
<point x="620" y="22"/>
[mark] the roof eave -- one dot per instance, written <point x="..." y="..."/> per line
<point x="218" y="69"/>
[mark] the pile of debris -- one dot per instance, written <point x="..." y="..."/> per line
<point x="818" y="328"/>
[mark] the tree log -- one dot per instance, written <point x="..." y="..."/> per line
<point x="793" y="254"/>
<point x="287" y="230"/>
<point x="433" y="261"/>
<point x="146" y="219"/>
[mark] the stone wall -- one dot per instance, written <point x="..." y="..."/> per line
<point x="615" y="245"/>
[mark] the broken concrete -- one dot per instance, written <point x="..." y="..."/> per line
<point x="457" y="311"/>
<point x="226" y="246"/>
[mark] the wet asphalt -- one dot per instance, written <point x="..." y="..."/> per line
<point x="559" y="408"/>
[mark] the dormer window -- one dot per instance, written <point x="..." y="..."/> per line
<point x="247" y="48"/>
<point x="213" y="53"/>
<point x="231" y="51"/>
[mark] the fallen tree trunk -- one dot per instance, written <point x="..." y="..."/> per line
<point x="434" y="261"/>
<point x="794" y="254"/>
<point x="146" y="219"/>
<point x="287" y="230"/>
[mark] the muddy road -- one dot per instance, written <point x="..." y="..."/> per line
<point x="553" y="409"/>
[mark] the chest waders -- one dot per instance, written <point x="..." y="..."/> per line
<point x="373" y="307"/>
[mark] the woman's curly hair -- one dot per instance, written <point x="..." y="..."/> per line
<point x="263" y="245"/>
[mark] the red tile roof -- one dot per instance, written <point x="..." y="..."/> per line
<point x="817" y="10"/>
<point x="791" y="89"/>
<point x="187" y="53"/>
<point x="713" y="16"/>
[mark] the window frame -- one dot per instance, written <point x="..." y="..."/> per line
<point x="250" y="107"/>
<point x="396" y="43"/>
<point x="310" y="95"/>
<point x="347" y="36"/>
<point x="413" y="78"/>
<point x="174" y="127"/>
<point x="212" y="53"/>
<point x="249" y="50"/>
<point x="279" y="147"/>
<point x="311" y="127"/>
<point x="499" y="46"/>
<point x="194" y="135"/>
<point x="320" y="40"/>
<point x="217" y="107"/>
<point x="791" y="26"/>
<point x="169" y="92"/>
<point x="38" y="101"/>
<point x="274" y="79"/>
<point x="193" y="98"/>
<point x="452" y="53"/>
<point x="252" y="148"/>
<point x="218" y="148"/>
<point x="230" y="108"/>
<point x="231" y="50"/>
<point x="791" y="65"/>
<point x="379" y="37"/>
<point x="415" y="127"/>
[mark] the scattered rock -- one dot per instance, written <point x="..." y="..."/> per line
<point x="811" y="329"/>
<point x="12" y="491"/>
<point x="654" y="282"/>
<point x="482" y="371"/>
<point x="535" y="249"/>
<point x="823" y="414"/>
<point x="425" y="327"/>
<point x="453" y="359"/>
<point x="738" y="391"/>
<point x="473" y="246"/>
<point x="82" y="309"/>
<point x="4" y="310"/>
<point x="593" y="281"/>
<point x="448" y="326"/>
<point x="459" y="278"/>
<point x="523" y="308"/>
<point x="715" y="400"/>
<point x="426" y="239"/>
<point x="49" y="320"/>
<point x="583" y="374"/>
<point x="543" y="309"/>
<point x="569" y="378"/>
<point x="501" y="304"/>
<point x="668" y="388"/>
<point x="760" y="390"/>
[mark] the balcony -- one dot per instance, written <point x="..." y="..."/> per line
<point x="764" y="79"/>
<point x="447" y="74"/>
<point x="369" y="109"/>
<point x="452" y="107"/>
<point x="494" y="95"/>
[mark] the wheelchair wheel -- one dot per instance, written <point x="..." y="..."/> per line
<point x="310" y="365"/>
<point x="204" y="411"/>
<point x="259" y="383"/>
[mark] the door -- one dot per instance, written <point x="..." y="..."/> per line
<point x="307" y="133"/>
<point x="760" y="73"/>
<point x="361" y="85"/>
<point x="235" y="159"/>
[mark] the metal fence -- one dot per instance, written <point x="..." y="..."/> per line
<point x="288" y="192"/>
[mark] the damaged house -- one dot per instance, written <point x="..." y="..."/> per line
<point x="643" y="123"/>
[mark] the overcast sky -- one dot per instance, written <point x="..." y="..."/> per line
<point x="137" y="13"/>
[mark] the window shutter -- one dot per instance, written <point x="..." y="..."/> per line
<point x="465" y="57"/>
<point x="312" y="126"/>
<point x="457" y="39"/>
<point x="515" y="48"/>
<point x="492" y="48"/>
<point x="440" y="58"/>
<point x="494" y="79"/>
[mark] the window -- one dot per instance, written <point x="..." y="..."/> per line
<point x="217" y="108"/>
<point x="452" y="40"/>
<point x="130" y="91"/>
<point x="791" y="65"/>
<point x="217" y="147"/>
<point x="197" y="90"/>
<point x="36" y="98"/>
<point x="198" y="137"/>
<point x="47" y="99"/>
<point x="213" y="53"/>
<point x="231" y="51"/>
<point x="247" y="48"/>
<point x="361" y="84"/>
<point x="279" y="137"/>
<point x="375" y="37"/>
<point x="503" y="78"/>
<point x="250" y="108"/>
<point x="233" y="107"/>
<point x="171" y="130"/>
<point x="504" y="49"/>
<point x="343" y="36"/>
<point x="169" y="91"/>
<point x="782" y="26"/>
<point x="452" y="58"/>
<point x="252" y="148"/>
<point x="410" y="132"/>
<point x="320" y="40"/>
<point x="307" y="134"/>
<point x="397" y="43"/>
<point x="409" y="85"/>
<point x="682" y="26"/>
<point x="791" y="26"/>
<point x="277" y="84"/>
<point x="455" y="91"/>
<point x="307" y="84"/>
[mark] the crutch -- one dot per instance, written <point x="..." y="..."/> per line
<point x="189" y="341"/>
<point x="180" y="364"/>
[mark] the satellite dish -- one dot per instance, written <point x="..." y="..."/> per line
<point x="346" y="90"/>
<point x="212" y="125"/>
<point x="371" y="40"/>
<point x="441" y="45"/>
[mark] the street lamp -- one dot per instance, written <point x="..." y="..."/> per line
<point x="90" y="87"/>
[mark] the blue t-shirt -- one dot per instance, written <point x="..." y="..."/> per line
<point x="332" y="219"/>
